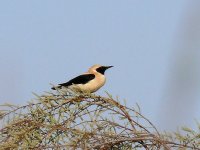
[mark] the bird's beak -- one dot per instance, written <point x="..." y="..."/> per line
<point x="107" y="67"/>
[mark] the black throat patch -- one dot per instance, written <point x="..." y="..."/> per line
<point x="101" y="69"/>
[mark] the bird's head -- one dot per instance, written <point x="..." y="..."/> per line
<point x="99" y="68"/>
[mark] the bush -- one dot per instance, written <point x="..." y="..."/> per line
<point x="70" y="120"/>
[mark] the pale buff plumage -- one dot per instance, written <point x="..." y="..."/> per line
<point x="93" y="85"/>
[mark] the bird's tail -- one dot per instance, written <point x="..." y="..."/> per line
<point x="56" y="87"/>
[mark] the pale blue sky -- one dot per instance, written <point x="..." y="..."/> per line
<point x="46" y="41"/>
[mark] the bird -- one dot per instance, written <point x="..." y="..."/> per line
<point x="90" y="81"/>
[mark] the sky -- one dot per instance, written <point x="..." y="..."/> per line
<point x="48" y="42"/>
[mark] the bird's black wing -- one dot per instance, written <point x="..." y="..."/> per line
<point x="82" y="79"/>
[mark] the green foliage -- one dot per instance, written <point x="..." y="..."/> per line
<point x="71" y="120"/>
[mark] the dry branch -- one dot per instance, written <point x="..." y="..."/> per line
<point x="70" y="120"/>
